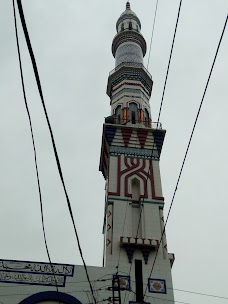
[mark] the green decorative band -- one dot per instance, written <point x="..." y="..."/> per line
<point x="136" y="152"/>
<point x="119" y="198"/>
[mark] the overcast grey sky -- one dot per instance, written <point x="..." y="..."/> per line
<point x="72" y="44"/>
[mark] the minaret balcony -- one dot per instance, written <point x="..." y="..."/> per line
<point x="130" y="140"/>
<point x="131" y="72"/>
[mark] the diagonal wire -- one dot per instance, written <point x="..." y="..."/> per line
<point x="178" y="15"/>
<point x="170" y="57"/>
<point x="201" y="294"/>
<point x="158" y="120"/>
<point x="189" y="143"/>
<point x="21" y="13"/>
<point x="152" y="34"/>
<point x="34" y="146"/>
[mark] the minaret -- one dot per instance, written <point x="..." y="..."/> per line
<point x="130" y="155"/>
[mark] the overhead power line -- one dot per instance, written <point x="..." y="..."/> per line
<point x="178" y="15"/>
<point x="192" y="292"/>
<point x="163" y="299"/>
<point x="167" y="300"/>
<point x="189" y="143"/>
<point x="170" y="57"/>
<point x="34" y="146"/>
<point x="152" y="34"/>
<point x="201" y="294"/>
<point x="35" y="69"/>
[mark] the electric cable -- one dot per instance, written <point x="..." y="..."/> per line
<point x="152" y="34"/>
<point x="158" y="121"/>
<point x="189" y="143"/>
<point x="143" y="199"/>
<point x="141" y="202"/>
<point x="168" y="300"/>
<point x="87" y="294"/>
<point x="125" y="215"/>
<point x="34" y="146"/>
<point x="162" y="299"/>
<point x="170" y="57"/>
<point x="193" y="292"/>
<point x="201" y="294"/>
<point x="136" y="139"/>
<point x="26" y="34"/>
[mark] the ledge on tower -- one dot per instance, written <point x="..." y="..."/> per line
<point x="145" y="245"/>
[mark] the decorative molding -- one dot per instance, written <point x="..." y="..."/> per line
<point x="136" y="152"/>
<point x="125" y="92"/>
<point x="142" y="136"/>
<point x="126" y="133"/>
<point x="135" y="166"/>
<point x="113" y="84"/>
<point x="139" y="242"/>
<point x="110" y="134"/>
<point x="117" y="198"/>
<point x="126" y="36"/>
<point x="145" y="245"/>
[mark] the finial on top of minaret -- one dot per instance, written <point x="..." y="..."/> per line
<point x="128" y="6"/>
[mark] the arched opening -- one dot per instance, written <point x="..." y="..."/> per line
<point x="133" y="112"/>
<point x="130" y="25"/>
<point x="118" y="114"/>
<point x="135" y="190"/>
<point x="146" y="118"/>
<point x="50" y="297"/>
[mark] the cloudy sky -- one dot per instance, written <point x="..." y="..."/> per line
<point x="72" y="41"/>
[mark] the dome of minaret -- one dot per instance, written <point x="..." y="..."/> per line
<point x="128" y="14"/>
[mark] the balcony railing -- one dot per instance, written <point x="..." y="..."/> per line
<point x="126" y="122"/>
<point x="156" y="125"/>
<point x="130" y="64"/>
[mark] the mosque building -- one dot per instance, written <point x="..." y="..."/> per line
<point x="133" y="210"/>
